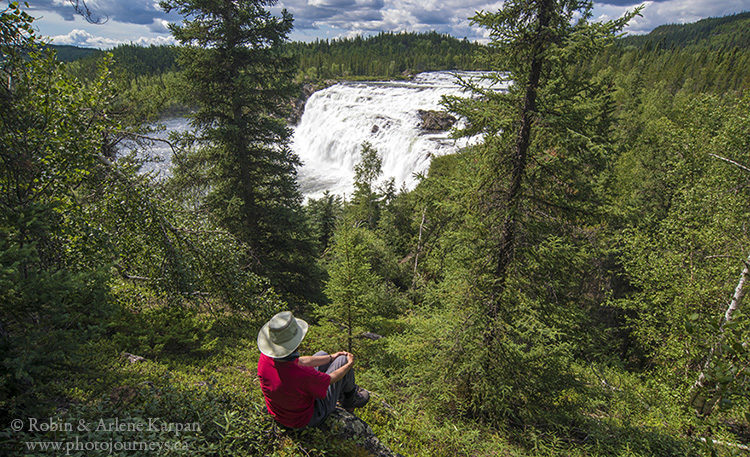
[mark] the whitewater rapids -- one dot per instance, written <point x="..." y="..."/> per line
<point x="337" y="120"/>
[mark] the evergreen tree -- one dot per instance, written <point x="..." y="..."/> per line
<point x="323" y="214"/>
<point x="352" y="287"/>
<point x="241" y="81"/>
<point x="545" y="145"/>
<point x="365" y="205"/>
<point x="53" y="277"/>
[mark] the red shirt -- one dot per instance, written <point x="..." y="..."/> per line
<point x="290" y="390"/>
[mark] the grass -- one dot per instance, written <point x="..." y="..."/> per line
<point x="215" y="384"/>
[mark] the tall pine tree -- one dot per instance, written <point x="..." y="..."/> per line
<point x="240" y="80"/>
<point x="546" y="143"/>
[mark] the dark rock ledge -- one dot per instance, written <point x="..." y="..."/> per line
<point x="346" y="425"/>
<point x="435" y="121"/>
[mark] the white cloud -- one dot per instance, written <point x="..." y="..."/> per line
<point x="671" y="12"/>
<point x="141" y="20"/>
<point x="82" y="38"/>
<point x="351" y="17"/>
<point x="159" y="26"/>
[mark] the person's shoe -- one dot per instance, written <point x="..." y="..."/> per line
<point x="356" y="399"/>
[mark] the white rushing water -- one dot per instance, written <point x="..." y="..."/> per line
<point x="337" y="120"/>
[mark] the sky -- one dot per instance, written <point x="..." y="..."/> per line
<point x="143" y="22"/>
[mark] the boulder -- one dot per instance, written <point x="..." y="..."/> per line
<point x="346" y="425"/>
<point x="132" y="358"/>
<point x="435" y="121"/>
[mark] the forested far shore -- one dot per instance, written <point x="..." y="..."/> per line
<point x="385" y="55"/>
<point x="707" y="56"/>
<point x="572" y="285"/>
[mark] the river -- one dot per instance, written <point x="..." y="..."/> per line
<point x="338" y="119"/>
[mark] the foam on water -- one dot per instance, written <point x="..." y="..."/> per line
<point x="337" y="120"/>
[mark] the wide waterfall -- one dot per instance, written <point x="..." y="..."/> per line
<point x="337" y="120"/>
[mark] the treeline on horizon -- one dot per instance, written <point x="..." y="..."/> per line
<point x="383" y="55"/>
<point x="709" y="55"/>
<point x="386" y="54"/>
<point x="718" y="33"/>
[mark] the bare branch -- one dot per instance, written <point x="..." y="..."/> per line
<point x="730" y="161"/>
<point x="125" y="275"/>
<point x="83" y="9"/>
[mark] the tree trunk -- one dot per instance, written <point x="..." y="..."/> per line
<point x="520" y="158"/>
<point x="701" y="404"/>
<point x="419" y="249"/>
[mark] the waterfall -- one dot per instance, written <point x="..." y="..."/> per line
<point x="337" y="120"/>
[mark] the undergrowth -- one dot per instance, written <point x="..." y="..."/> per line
<point x="212" y="382"/>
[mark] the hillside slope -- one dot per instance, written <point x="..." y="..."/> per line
<point x="713" y="33"/>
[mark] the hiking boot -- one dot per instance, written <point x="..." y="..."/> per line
<point x="356" y="399"/>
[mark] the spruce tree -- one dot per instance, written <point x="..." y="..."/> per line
<point x="240" y="81"/>
<point x="545" y="144"/>
<point x="352" y="286"/>
<point x="365" y="204"/>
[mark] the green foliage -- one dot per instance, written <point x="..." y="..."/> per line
<point x="53" y="298"/>
<point x="364" y="207"/>
<point x="323" y="214"/>
<point x="710" y="55"/>
<point x="239" y="79"/>
<point x="684" y="262"/>
<point x="153" y="332"/>
<point x="206" y="421"/>
<point x="629" y="237"/>
<point x="384" y="55"/>
<point x="73" y="219"/>
<point x="524" y="231"/>
<point x="68" y="53"/>
<point x="132" y="60"/>
<point x="714" y="33"/>
<point x="138" y="61"/>
<point x="352" y="284"/>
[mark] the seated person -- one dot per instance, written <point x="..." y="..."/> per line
<point x="301" y="391"/>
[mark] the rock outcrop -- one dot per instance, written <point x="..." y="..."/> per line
<point x="346" y="425"/>
<point x="298" y="104"/>
<point x="132" y="358"/>
<point x="435" y="121"/>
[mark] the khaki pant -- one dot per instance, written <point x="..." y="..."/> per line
<point x="324" y="406"/>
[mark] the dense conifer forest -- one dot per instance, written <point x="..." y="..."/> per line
<point x="572" y="286"/>
<point x="719" y="33"/>
<point x="386" y="55"/>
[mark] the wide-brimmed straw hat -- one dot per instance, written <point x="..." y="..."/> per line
<point x="281" y="335"/>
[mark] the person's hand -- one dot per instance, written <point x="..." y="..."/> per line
<point x="349" y="358"/>
<point x="335" y="355"/>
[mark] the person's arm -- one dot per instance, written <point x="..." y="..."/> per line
<point x="315" y="360"/>
<point x="339" y="373"/>
<point x="318" y="360"/>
